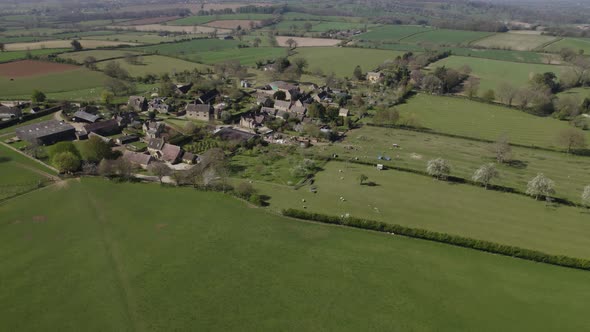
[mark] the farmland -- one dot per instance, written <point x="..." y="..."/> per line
<point x="19" y="174"/>
<point x="575" y="44"/>
<point x="26" y="68"/>
<point x="246" y="56"/>
<point x="195" y="30"/>
<point x="198" y="20"/>
<point x="140" y="38"/>
<point x="322" y="58"/>
<point x="515" y="41"/>
<point x="99" y="55"/>
<point x="86" y="43"/>
<point x="445" y="37"/>
<point x="493" y="73"/>
<point x="308" y="42"/>
<point x="188" y="48"/>
<point x="135" y="251"/>
<point x="17" y="55"/>
<point x="154" y="64"/>
<point x="468" y="118"/>
<point x="392" y="32"/>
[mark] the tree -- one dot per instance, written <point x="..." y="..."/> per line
<point x="489" y="95"/>
<point x="471" y="86"/>
<point x="571" y="138"/>
<point x="64" y="146"/>
<point x="568" y="107"/>
<point x="66" y="162"/>
<point x="439" y="168"/>
<point x="291" y="43"/>
<point x="97" y="149"/>
<point x="90" y="62"/>
<point x="257" y="42"/>
<point x="502" y="149"/>
<point x="280" y="95"/>
<point x="105" y="168"/>
<point x="363" y="178"/>
<point x="107" y="97"/>
<point x="119" y="87"/>
<point x="539" y="186"/>
<point x="300" y="65"/>
<point x="159" y="169"/>
<point x="358" y="73"/>
<point x="167" y="88"/>
<point x="432" y="84"/>
<point x="114" y="69"/>
<point x="245" y="190"/>
<point x="38" y="97"/>
<point x="307" y="26"/>
<point x="586" y="196"/>
<point x="506" y="93"/>
<point x="485" y="174"/>
<point x="76" y="45"/>
<point x="316" y="110"/>
<point x="2" y="47"/>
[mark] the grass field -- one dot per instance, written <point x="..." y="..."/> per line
<point x="19" y="174"/>
<point x="423" y="202"/>
<point x="579" y="93"/>
<point x="469" y="118"/>
<point x="18" y="55"/>
<point x="99" y="258"/>
<point x="446" y="37"/>
<point x="57" y="82"/>
<point x="515" y="41"/>
<point x="97" y="54"/>
<point x="246" y="56"/>
<point x="322" y="58"/>
<point x="570" y="173"/>
<point x="140" y="37"/>
<point x="392" y="32"/>
<point x="155" y="64"/>
<point x="202" y="19"/>
<point x="575" y="44"/>
<point x="62" y="43"/>
<point x="493" y="73"/>
<point x="189" y="48"/>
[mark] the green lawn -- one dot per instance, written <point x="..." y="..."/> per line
<point x="575" y="44"/>
<point x="515" y="41"/>
<point x="493" y="73"/>
<point x="423" y="202"/>
<point x="323" y="58"/>
<point x="446" y="37"/>
<point x="392" y="32"/>
<point x="103" y="257"/>
<point x="473" y="119"/>
<point x="155" y="64"/>
<point x="202" y="19"/>
<point x="56" y="82"/>
<point x="570" y="173"/>
<point x="18" y="174"/>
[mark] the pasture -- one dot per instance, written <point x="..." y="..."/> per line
<point x="423" y="202"/>
<point x="63" y="43"/>
<point x="99" y="55"/>
<point x="322" y="59"/>
<point x="392" y="32"/>
<point x="110" y="253"/>
<point x="195" y="30"/>
<point x="463" y="117"/>
<point x="154" y="64"/>
<point x="570" y="173"/>
<point x="493" y="73"/>
<point x="575" y="44"/>
<point x="445" y="37"/>
<point x="515" y="41"/>
<point x="191" y="47"/>
<point x="246" y="56"/>
<point x="202" y="19"/>
<point x="307" y="42"/>
<point x="18" y="55"/>
<point x="140" y="38"/>
<point x="25" y="68"/>
<point x="18" y="174"/>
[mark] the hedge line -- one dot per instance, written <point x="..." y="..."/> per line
<point x="460" y="241"/>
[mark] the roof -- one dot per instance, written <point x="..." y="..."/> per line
<point x="184" y="88"/>
<point x="281" y="85"/>
<point x="137" y="158"/>
<point x="46" y="128"/>
<point x="199" y="108"/>
<point x="268" y="110"/>
<point x="208" y="96"/>
<point x="374" y="73"/>
<point x="86" y="116"/>
<point x="188" y="156"/>
<point x="156" y="143"/>
<point x="14" y="111"/>
<point x="343" y="112"/>
<point x="103" y="125"/>
<point x="298" y="109"/>
<point x="171" y="153"/>
<point x="282" y="104"/>
<point x="231" y="134"/>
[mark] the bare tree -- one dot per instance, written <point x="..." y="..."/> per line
<point x="471" y="87"/>
<point x="439" y="168"/>
<point x="586" y="196"/>
<point x="291" y="43"/>
<point x="502" y="149"/>
<point x="159" y="169"/>
<point x="485" y="174"/>
<point x="506" y="93"/>
<point x="539" y="186"/>
<point x="571" y="138"/>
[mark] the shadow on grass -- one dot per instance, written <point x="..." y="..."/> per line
<point x="4" y="159"/>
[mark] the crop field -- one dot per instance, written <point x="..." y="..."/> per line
<point x="575" y="44"/>
<point x="99" y="55"/>
<point x="246" y="56"/>
<point x="570" y="173"/>
<point x="392" y="32"/>
<point x="322" y="58"/>
<point x="202" y="19"/>
<point x="86" y="43"/>
<point x="140" y="38"/>
<point x="446" y="37"/>
<point x="121" y="263"/>
<point x="189" y="47"/>
<point x="17" y="55"/>
<point x="195" y="30"/>
<point x="493" y="73"/>
<point x="71" y="80"/>
<point x="308" y="42"/>
<point x="155" y="64"/>
<point x="463" y="117"/>
<point x="515" y="41"/>
<point x="19" y="174"/>
<point x="423" y="202"/>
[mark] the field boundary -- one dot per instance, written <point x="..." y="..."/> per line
<point x="454" y="240"/>
<point x="545" y="45"/>
<point x="481" y="38"/>
<point x="414" y="34"/>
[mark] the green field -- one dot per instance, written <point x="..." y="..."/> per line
<point x="473" y="119"/>
<point x="247" y="56"/>
<point x="18" y="55"/>
<point x="392" y="32"/>
<point x="155" y="64"/>
<point x="295" y="16"/>
<point x="515" y="41"/>
<point x="579" y="93"/>
<point x="446" y="37"/>
<point x="18" y="173"/>
<point x="76" y="79"/>
<point x="423" y="202"/>
<point x="323" y="58"/>
<point x="502" y="55"/>
<point x="575" y="44"/>
<point x="140" y="37"/>
<point x="189" y="48"/>
<point x="100" y="256"/>
<point x="570" y="173"/>
<point x="99" y="55"/>
<point x="493" y="73"/>
<point x="202" y="19"/>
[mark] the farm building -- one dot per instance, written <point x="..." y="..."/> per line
<point x="104" y="128"/>
<point x="230" y="134"/>
<point x="182" y="89"/>
<point x="83" y="116"/>
<point x="343" y="112"/>
<point x="126" y="139"/>
<point x="208" y="97"/>
<point x="46" y="133"/>
<point x="7" y="112"/>
<point x="141" y="159"/>
<point x="203" y="112"/>
<point x="252" y="121"/>
<point x="374" y="77"/>
<point x="153" y="129"/>
<point x="281" y="105"/>
<point x="158" y="105"/>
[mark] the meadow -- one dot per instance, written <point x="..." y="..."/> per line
<point x="445" y="37"/>
<point x="493" y="73"/>
<point x="422" y="202"/>
<point x="99" y="55"/>
<point x="189" y="48"/>
<point x="18" y="55"/>
<point x="202" y="19"/>
<point x="19" y="174"/>
<point x="322" y="58"/>
<point x="463" y="117"/>
<point x="570" y="173"/>
<point x="246" y="56"/>
<point x="140" y="37"/>
<point x="133" y="263"/>
<point x="392" y="32"/>
<point x="575" y="44"/>
<point x="155" y="64"/>
<point x="63" y="43"/>
<point x="515" y="41"/>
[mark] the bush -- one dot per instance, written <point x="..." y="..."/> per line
<point x="63" y="147"/>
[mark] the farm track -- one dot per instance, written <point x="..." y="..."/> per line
<point x="544" y="46"/>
